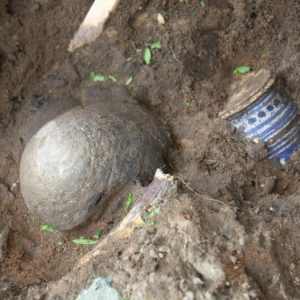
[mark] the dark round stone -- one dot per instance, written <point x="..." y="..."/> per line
<point x="77" y="160"/>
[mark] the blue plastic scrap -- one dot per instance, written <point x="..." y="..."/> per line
<point x="100" y="289"/>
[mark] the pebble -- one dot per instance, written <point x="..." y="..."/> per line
<point x="161" y="19"/>
<point x="189" y="296"/>
<point x="153" y="254"/>
<point x="197" y="281"/>
<point x="164" y="249"/>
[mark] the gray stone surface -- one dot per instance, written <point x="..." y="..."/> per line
<point x="79" y="159"/>
<point x="100" y="289"/>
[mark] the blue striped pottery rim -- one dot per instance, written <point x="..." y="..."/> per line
<point x="271" y="119"/>
<point x="247" y="90"/>
<point x="262" y="114"/>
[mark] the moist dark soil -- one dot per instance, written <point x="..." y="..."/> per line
<point x="186" y="86"/>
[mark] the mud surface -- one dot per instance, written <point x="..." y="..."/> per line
<point x="185" y="86"/>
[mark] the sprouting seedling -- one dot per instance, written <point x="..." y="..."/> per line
<point x="242" y="70"/>
<point x="129" y="80"/>
<point x="129" y="201"/>
<point x="148" y="223"/>
<point x="48" y="228"/>
<point x="112" y="78"/>
<point x="148" y="53"/>
<point x="155" y="45"/>
<point x="202" y="3"/>
<point x="97" y="235"/>
<point x="97" y="77"/>
<point x="154" y="212"/>
<point x="147" y="56"/>
<point x="84" y="241"/>
<point x="187" y="103"/>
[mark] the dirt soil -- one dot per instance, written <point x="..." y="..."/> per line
<point x="246" y="248"/>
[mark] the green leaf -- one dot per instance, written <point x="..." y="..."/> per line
<point x="187" y="103"/>
<point x="154" y="212"/>
<point x="150" y="224"/>
<point x="97" y="77"/>
<point x="129" y="201"/>
<point x="242" y="70"/>
<point x="47" y="228"/>
<point x="112" y="78"/>
<point x="155" y="45"/>
<point x="129" y="80"/>
<point x="125" y="298"/>
<point x="202" y="3"/>
<point x="147" y="56"/>
<point x="83" y="241"/>
<point x="97" y="235"/>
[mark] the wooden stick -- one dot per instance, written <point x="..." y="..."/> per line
<point x="161" y="187"/>
<point x="93" y="24"/>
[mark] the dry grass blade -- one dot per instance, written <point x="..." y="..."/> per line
<point x="204" y="197"/>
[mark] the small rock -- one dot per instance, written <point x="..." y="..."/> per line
<point x="197" y="281"/>
<point x="161" y="19"/>
<point x="153" y="254"/>
<point x="164" y="249"/>
<point x="189" y="296"/>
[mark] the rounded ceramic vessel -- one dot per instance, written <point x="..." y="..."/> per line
<point x="267" y="117"/>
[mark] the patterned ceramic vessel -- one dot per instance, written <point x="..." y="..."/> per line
<point x="264" y="115"/>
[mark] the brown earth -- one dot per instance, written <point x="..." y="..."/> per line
<point x="186" y="86"/>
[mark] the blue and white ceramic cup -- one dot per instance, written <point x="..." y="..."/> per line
<point x="271" y="119"/>
<point x="262" y="114"/>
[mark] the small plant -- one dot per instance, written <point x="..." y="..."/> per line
<point x="97" y="235"/>
<point x="129" y="80"/>
<point x="48" y="228"/>
<point x="125" y="298"/>
<point x="129" y="201"/>
<point x="150" y="224"/>
<point x="84" y="241"/>
<point x="112" y="78"/>
<point x="242" y="70"/>
<point x="202" y="3"/>
<point x="148" y="53"/>
<point x="97" y="77"/>
<point x="154" y="212"/>
<point x="155" y="45"/>
<point x="147" y="56"/>
<point x="187" y="103"/>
